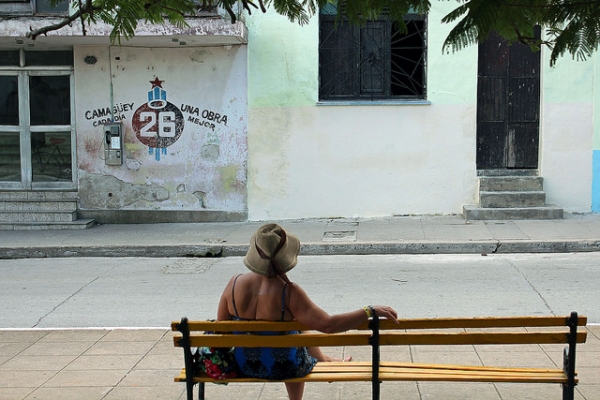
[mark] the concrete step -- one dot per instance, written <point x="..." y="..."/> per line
<point x="512" y="199"/>
<point x="38" y="196"/>
<point x="40" y="210"/>
<point x="545" y="212"/>
<point x="11" y="217"/>
<point x="510" y="183"/>
<point x="38" y="206"/>
<point x="37" y="226"/>
<point x="507" y="172"/>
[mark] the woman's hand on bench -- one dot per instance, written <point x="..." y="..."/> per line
<point x="386" y="312"/>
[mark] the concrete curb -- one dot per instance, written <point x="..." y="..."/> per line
<point x="112" y="251"/>
<point x="414" y="247"/>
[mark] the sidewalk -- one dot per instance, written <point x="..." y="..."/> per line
<point x="109" y="364"/>
<point x="393" y="235"/>
<point x="134" y="364"/>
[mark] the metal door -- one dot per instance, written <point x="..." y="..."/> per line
<point x="508" y="105"/>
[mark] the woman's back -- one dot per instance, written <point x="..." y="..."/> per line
<point x="256" y="297"/>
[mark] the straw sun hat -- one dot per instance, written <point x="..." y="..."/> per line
<point x="272" y="248"/>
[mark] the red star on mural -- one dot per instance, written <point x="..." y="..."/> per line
<point x="156" y="82"/>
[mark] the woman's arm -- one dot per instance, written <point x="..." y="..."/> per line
<point x="308" y="313"/>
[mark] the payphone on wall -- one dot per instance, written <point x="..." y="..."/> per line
<point x="113" y="144"/>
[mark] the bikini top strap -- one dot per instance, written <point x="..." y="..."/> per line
<point x="233" y="297"/>
<point x="283" y="301"/>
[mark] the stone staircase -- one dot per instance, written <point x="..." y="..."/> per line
<point x="511" y="197"/>
<point x="37" y="210"/>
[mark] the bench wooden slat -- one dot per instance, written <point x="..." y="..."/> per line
<point x="514" y="378"/>
<point x="395" y="364"/>
<point x="432" y="368"/>
<point x="479" y="322"/>
<point x="423" y="323"/>
<point x="393" y="372"/>
<point x="303" y="339"/>
<point x="475" y="338"/>
<point x="366" y="377"/>
<point x="410" y="373"/>
<point x="397" y="339"/>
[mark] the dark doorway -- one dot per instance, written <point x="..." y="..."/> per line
<point x="508" y="105"/>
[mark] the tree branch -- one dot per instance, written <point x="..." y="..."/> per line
<point x="80" y="13"/>
<point x="83" y="30"/>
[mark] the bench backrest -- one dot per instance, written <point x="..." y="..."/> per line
<point x="433" y="331"/>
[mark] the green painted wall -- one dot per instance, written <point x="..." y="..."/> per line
<point x="283" y="61"/>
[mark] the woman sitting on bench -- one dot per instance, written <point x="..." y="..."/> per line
<point x="267" y="294"/>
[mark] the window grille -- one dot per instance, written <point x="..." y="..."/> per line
<point x="44" y="7"/>
<point x="29" y="7"/>
<point x="373" y="61"/>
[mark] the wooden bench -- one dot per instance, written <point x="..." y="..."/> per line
<point x="377" y="333"/>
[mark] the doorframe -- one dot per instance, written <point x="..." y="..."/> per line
<point x="25" y="130"/>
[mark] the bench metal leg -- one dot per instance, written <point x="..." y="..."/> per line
<point x="201" y="391"/>
<point x="374" y="342"/>
<point x="184" y="342"/>
<point x="569" y="359"/>
<point x="189" y="391"/>
<point x="569" y="386"/>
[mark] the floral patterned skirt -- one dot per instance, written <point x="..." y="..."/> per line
<point x="274" y="363"/>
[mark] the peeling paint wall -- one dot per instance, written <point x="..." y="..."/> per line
<point x="184" y="118"/>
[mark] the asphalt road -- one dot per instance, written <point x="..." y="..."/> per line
<point x="151" y="292"/>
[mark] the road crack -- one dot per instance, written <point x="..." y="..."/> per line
<point x="532" y="286"/>
<point x="64" y="301"/>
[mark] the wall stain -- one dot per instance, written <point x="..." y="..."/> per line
<point x="201" y="198"/>
<point x="133" y="165"/>
<point x="210" y="152"/>
<point x="107" y="191"/>
<point x="199" y="56"/>
<point x="228" y="176"/>
<point x="90" y="145"/>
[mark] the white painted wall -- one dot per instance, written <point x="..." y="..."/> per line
<point x="566" y="132"/>
<point x="309" y="160"/>
<point x="336" y="161"/>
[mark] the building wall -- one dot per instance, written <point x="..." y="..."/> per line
<point x="566" y="132"/>
<point x="596" y="138"/>
<point x="202" y="167"/>
<point x="311" y="160"/>
<point x="280" y="154"/>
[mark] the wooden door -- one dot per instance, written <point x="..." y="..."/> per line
<point x="508" y="105"/>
